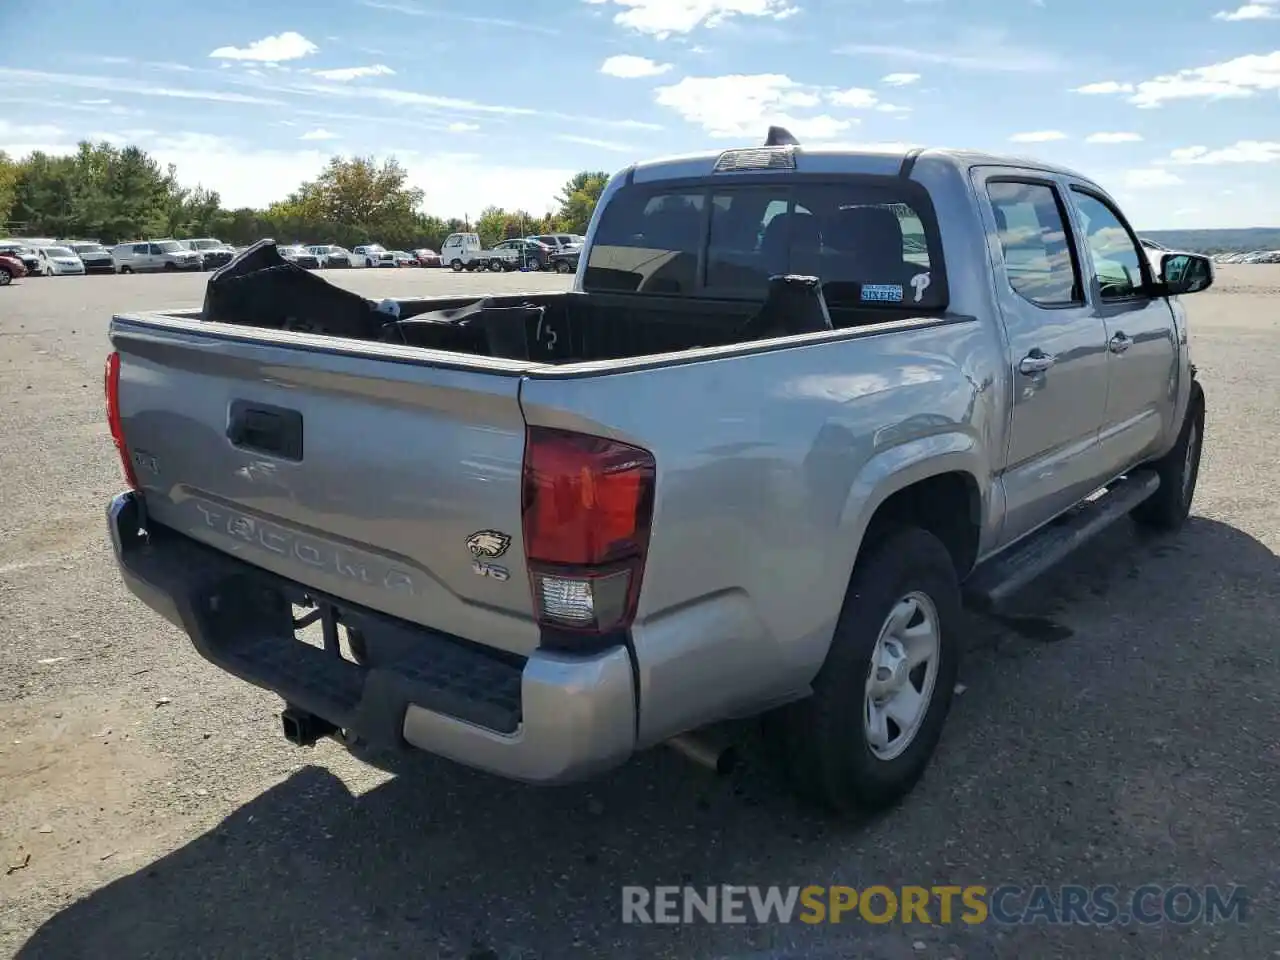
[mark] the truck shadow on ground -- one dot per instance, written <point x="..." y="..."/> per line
<point x="440" y="861"/>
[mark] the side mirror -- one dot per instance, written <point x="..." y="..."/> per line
<point x="1185" y="273"/>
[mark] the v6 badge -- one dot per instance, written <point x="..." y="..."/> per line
<point x="490" y="570"/>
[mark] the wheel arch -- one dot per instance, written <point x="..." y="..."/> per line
<point x="941" y="484"/>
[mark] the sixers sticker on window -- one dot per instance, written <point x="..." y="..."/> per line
<point x="881" y="293"/>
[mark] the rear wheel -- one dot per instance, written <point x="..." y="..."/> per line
<point x="6" y="277"/>
<point x="1179" y="470"/>
<point x="862" y="740"/>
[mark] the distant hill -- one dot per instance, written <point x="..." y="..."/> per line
<point x="1218" y="241"/>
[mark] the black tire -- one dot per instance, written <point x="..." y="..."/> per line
<point x="6" y="277"/>
<point x="1179" y="470"/>
<point x="822" y="741"/>
<point x="455" y="266"/>
<point x="563" y="266"/>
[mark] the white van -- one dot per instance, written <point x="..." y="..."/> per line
<point x="151" y="256"/>
<point x="59" y="262"/>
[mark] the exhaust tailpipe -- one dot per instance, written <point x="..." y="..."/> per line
<point x="304" y="729"/>
<point x="717" y="757"/>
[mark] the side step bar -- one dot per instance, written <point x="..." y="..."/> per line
<point x="998" y="579"/>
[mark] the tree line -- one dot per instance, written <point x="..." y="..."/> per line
<point x="108" y="193"/>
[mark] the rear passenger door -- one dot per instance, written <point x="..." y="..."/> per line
<point x="1142" y="349"/>
<point x="1057" y="348"/>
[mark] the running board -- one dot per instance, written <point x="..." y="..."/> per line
<point x="996" y="580"/>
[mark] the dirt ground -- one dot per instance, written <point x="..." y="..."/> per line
<point x="1124" y="732"/>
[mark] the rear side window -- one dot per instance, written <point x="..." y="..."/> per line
<point x="141" y="248"/>
<point x="869" y="239"/>
<point x="1038" y="256"/>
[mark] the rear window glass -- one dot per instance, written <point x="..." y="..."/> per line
<point x="870" y="241"/>
<point x="648" y="243"/>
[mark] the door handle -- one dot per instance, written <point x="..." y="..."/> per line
<point x="1119" y="343"/>
<point x="1036" y="362"/>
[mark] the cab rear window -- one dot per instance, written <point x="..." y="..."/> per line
<point x="871" y="240"/>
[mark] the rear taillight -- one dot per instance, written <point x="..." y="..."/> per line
<point x="112" y="389"/>
<point x="588" y="503"/>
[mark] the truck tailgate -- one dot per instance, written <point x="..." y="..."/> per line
<point x="361" y="470"/>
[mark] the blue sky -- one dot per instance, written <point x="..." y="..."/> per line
<point x="1174" y="107"/>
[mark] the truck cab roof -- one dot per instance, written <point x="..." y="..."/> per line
<point x="883" y="160"/>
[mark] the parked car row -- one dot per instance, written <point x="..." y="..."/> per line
<point x="1253" y="256"/>
<point x="50" y="257"/>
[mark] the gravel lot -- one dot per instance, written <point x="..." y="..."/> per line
<point x="1124" y="731"/>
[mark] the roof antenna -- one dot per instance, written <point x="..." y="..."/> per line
<point x="780" y="137"/>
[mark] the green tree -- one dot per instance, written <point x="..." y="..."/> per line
<point x="9" y="171"/>
<point x="114" y="193"/>
<point x="578" y="200"/>
<point x="42" y="195"/>
<point x="100" y="191"/>
<point x="492" y="225"/>
<point x="353" y="200"/>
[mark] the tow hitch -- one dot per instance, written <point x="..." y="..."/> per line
<point x="303" y="729"/>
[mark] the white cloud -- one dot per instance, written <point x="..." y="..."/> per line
<point x="1038" y="136"/>
<point x="1260" y="10"/>
<point x="95" y="103"/>
<point x="892" y="108"/>
<point x="1104" y="87"/>
<point x="1242" y="151"/>
<point x="662" y="18"/>
<point x="598" y="144"/>
<point x="462" y="127"/>
<point x="283" y="46"/>
<point x="856" y="98"/>
<point x="428" y="102"/>
<point x="1113" y="138"/>
<point x="978" y="48"/>
<point x="343" y="74"/>
<point x="1242" y="77"/>
<point x="743" y="106"/>
<point x="1150" y="178"/>
<point x="414" y="10"/>
<point x="31" y="131"/>
<point x="629" y="67"/>
<point x="121" y="85"/>
<point x="320" y="133"/>
<point x="899" y="79"/>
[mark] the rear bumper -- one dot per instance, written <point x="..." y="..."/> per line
<point x="552" y="718"/>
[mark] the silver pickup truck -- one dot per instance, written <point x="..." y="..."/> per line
<point x="799" y="406"/>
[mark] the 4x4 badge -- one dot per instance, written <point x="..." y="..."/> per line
<point x="488" y="544"/>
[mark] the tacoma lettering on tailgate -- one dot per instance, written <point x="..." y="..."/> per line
<point x="318" y="554"/>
